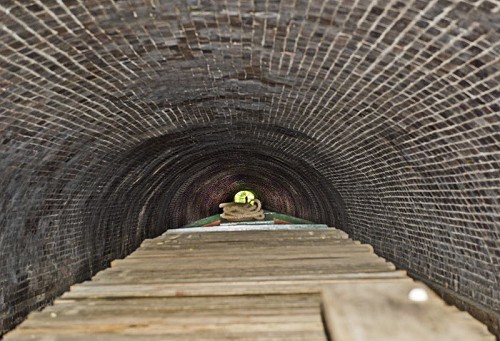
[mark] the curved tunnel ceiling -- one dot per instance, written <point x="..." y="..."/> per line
<point x="191" y="172"/>
<point x="120" y="119"/>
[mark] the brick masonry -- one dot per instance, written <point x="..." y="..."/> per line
<point x="119" y="119"/>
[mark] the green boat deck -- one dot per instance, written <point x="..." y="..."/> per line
<point x="270" y="218"/>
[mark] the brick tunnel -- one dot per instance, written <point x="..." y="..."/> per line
<point x="122" y="119"/>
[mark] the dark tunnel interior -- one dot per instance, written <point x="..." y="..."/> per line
<point x="120" y="119"/>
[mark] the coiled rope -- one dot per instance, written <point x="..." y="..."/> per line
<point x="240" y="212"/>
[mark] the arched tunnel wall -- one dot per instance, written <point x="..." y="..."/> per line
<point x="120" y="119"/>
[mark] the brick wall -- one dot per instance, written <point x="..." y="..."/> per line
<point x="120" y="119"/>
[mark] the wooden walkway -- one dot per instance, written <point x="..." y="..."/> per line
<point x="244" y="285"/>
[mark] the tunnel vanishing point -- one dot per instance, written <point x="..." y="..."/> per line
<point x="120" y="119"/>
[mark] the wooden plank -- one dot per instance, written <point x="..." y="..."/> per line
<point x="278" y="255"/>
<point x="275" y="317"/>
<point x="245" y="270"/>
<point x="177" y="330"/>
<point x="253" y="227"/>
<point x="201" y="335"/>
<point x="403" y="311"/>
<point x="247" y="241"/>
<point x="169" y="319"/>
<point x="111" y="276"/>
<point x="259" y="253"/>
<point x="96" y="290"/>
<point x="194" y="238"/>
<point x="257" y="250"/>
<point x="332" y="262"/>
<point x="209" y="275"/>
<point x="230" y="247"/>
<point x="243" y="236"/>
<point x="187" y="304"/>
<point x="158" y="332"/>
<point x="246" y="273"/>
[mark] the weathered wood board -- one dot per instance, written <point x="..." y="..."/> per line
<point x="244" y="285"/>
<point x="395" y="311"/>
